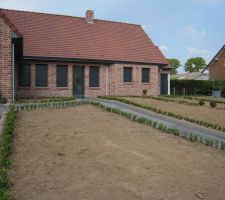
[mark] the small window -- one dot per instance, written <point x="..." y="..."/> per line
<point x="24" y="75"/>
<point x="145" y="75"/>
<point x="127" y="74"/>
<point x="94" y="76"/>
<point x="41" y="75"/>
<point x="62" y="76"/>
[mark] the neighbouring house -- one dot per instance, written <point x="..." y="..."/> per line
<point x="216" y="67"/>
<point x="190" y="76"/>
<point x="56" y="55"/>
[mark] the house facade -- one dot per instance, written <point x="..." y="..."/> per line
<point x="216" y="67"/>
<point x="56" y="55"/>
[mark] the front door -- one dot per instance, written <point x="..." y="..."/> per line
<point x="78" y="81"/>
<point x="164" y="84"/>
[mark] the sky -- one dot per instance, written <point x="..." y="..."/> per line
<point x="182" y="29"/>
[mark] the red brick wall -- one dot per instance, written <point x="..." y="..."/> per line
<point x="217" y="68"/>
<point x="110" y="82"/>
<point x="5" y="60"/>
<point x="119" y="88"/>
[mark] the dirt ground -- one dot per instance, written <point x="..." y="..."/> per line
<point x="204" y="113"/>
<point x="84" y="153"/>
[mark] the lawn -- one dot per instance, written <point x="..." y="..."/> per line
<point x="204" y="113"/>
<point x="87" y="153"/>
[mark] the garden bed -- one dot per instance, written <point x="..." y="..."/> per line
<point x="203" y="113"/>
<point x="87" y="153"/>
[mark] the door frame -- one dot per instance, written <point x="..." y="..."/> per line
<point x="168" y="83"/>
<point x="74" y="84"/>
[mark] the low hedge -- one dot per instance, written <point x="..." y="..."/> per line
<point x="170" y="114"/>
<point x="163" y="98"/>
<point x="5" y="151"/>
<point x="42" y="99"/>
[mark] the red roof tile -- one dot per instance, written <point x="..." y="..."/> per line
<point x="58" y="36"/>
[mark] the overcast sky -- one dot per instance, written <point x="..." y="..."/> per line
<point x="182" y="29"/>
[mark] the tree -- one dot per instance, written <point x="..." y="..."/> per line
<point x="174" y="63"/>
<point x="194" y="64"/>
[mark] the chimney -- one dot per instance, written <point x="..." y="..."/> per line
<point x="90" y="16"/>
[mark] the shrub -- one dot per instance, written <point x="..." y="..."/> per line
<point x="144" y="91"/>
<point x="212" y="104"/>
<point x="3" y="100"/>
<point x="201" y="102"/>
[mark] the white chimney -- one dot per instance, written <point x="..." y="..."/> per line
<point x="90" y="16"/>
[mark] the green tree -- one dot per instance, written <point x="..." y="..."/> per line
<point x="194" y="64"/>
<point x="175" y="63"/>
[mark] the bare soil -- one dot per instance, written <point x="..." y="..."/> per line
<point x="203" y="113"/>
<point x="85" y="153"/>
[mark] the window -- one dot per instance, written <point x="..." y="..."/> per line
<point x="127" y="74"/>
<point x="41" y="75"/>
<point x="145" y="75"/>
<point x="62" y="76"/>
<point x="94" y="76"/>
<point x="24" y="75"/>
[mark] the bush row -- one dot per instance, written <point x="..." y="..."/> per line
<point x="169" y="100"/>
<point x="5" y="151"/>
<point x="61" y="104"/>
<point x="42" y="99"/>
<point x="191" y="137"/>
<point x="170" y="114"/>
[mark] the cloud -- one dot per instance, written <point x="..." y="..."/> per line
<point x="196" y="52"/>
<point x="163" y="48"/>
<point x="193" y="33"/>
<point x="209" y="1"/>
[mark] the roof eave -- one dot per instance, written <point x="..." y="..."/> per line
<point x="78" y="60"/>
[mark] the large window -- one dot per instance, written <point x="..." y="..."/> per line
<point x="127" y="74"/>
<point x="41" y="75"/>
<point x="94" y="76"/>
<point x="62" y="76"/>
<point x="145" y="75"/>
<point x="24" y="75"/>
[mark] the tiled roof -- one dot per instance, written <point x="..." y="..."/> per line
<point x="59" y="36"/>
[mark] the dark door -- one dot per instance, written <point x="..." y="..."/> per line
<point x="78" y="81"/>
<point x="164" y="84"/>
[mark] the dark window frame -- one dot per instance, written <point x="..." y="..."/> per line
<point x="59" y="83"/>
<point x="92" y="81"/>
<point x="20" y="82"/>
<point x="145" y="79"/>
<point x="126" y="73"/>
<point x="37" y="82"/>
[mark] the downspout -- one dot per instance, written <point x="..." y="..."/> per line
<point x="13" y="72"/>
<point x="106" y="80"/>
<point x="169" y="84"/>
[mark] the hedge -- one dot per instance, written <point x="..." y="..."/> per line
<point x="5" y="151"/>
<point x="196" y="87"/>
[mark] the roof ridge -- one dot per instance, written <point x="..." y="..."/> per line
<point x="63" y="15"/>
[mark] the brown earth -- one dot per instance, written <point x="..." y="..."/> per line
<point x="85" y="153"/>
<point x="203" y="113"/>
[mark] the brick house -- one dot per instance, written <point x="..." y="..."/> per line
<point x="57" y="55"/>
<point x="217" y="66"/>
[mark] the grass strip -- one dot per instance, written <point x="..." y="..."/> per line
<point x="5" y="151"/>
<point x="170" y="114"/>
